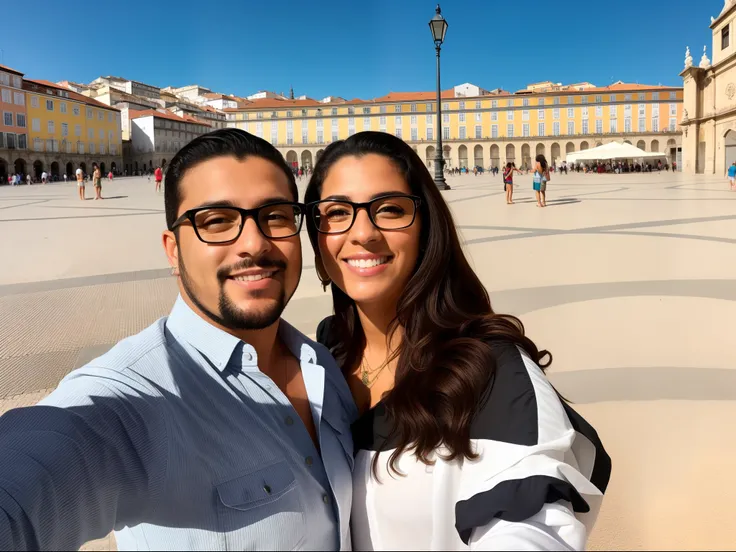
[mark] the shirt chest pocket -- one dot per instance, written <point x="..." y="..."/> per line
<point x="262" y="510"/>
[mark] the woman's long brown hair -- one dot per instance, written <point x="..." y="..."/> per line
<point x="445" y="361"/>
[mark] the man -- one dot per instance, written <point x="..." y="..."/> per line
<point x="732" y="175"/>
<point x="80" y="183"/>
<point x="159" y="175"/>
<point x="220" y="427"/>
<point x="44" y="176"/>
<point x="97" y="181"/>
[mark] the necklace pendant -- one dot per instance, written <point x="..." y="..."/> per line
<point x="365" y="378"/>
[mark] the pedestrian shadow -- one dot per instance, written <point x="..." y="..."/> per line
<point x="106" y="197"/>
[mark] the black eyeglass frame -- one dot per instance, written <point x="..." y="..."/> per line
<point x="312" y="207"/>
<point x="244" y="214"/>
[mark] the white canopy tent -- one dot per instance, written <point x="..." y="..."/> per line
<point x="613" y="150"/>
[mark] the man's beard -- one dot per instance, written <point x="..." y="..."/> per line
<point x="231" y="316"/>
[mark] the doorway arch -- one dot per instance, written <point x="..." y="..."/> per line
<point x="526" y="156"/>
<point x="318" y="155"/>
<point x="69" y="169"/>
<point x="20" y="166"/>
<point x="495" y="156"/>
<point x="83" y="166"/>
<point x="3" y="171"/>
<point x="462" y="156"/>
<point x="113" y="167"/>
<point x="307" y="159"/>
<point x="583" y="145"/>
<point x="730" y="148"/>
<point x="292" y="159"/>
<point x="555" y="152"/>
<point x="55" y="168"/>
<point x="102" y="168"/>
<point x="430" y="156"/>
<point x="447" y="156"/>
<point x="478" y="156"/>
<point x="540" y="149"/>
<point x="642" y="145"/>
<point x="37" y="168"/>
<point x="163" y="164"/>
<point x="510" y="153"/>
<point x="655" y="145"/>
<point x="569" y="148"/>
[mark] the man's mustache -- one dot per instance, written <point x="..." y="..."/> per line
<point x="224" y="273"/>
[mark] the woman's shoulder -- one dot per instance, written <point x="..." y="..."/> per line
<point x="326" y="332"/>
<point x="520" y="406"/>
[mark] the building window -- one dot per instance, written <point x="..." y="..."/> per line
<point x="673" y="110"/>
<point x="477" y="104"/>
<point x="8" y="118"/>
<point x="598" y="99"/>
<point x="89" y="113"/>
<point x="540" y="129"/>
<point x="556" y="128"/>
<point x="446" y="107"/>
<point x="598" y="111"/>
<point x="556" y="101"/>
<point x="382" y="121"/>
<point x="430" y="119"/>
<point x="540" y="101"/>
<point x="430" y="107"/>
<point x="510" y="130"/>
<point x="462" y="133"/>
<point x="525" y="102"/>
<point x="556" y="113"/>
<point x="725" y="37"/>
<point x="614" y="125"/>
<point x="430" y="133"/>
<point x="305" y="136"/>
<point x="585" y="112"/>
<point x="445" y="117"/>
<point x="91" y="147"/>
<point x="525" y="115"/>
<point x="655" y="125"/>
<point x="445" y="133"/>
<point x="100" y="115"/>
<point x="627" y="125"/>
<point x="570" y="99"/>
<point x="397" y="121"/>
<point x="7" y="96"/>
<point x="462" y="117"/>
<point x="91" y="133"/>
<point x="462" y="106"/>
<point x="414" y="134"/>
<point x="19" y="98"/>
<point x="110" y="136"/>
<point x="525" y="130"/>
<point x="570" y="114"/>
<point x="34" y="101"/>
<point x="49" y="105"/>
<point x="627" y="97"/>
<point x="673" y="125"/>
<point x="413" y="120"/>
<point x="397" y="109"/>
<point x="494" y="131"/>
<point x="478" y="117"/>
<point x="494" y="103"/>
<point x="510" y="103"/>
<point x="494" y="115"/>
<point x="22" y="144"/>
<point x="509" y="115"/>
<point x="642" y="124"/>
<point x="540" y="113"/>
<point x="413" y="108"/>
<point x="334" y="136"/>
<point x="381" y="109"/>
<point x="366" y="111"/>
<point x="37" y="144"/>
<point x="399" y="133"/>
<point x="599" y="126"/>
<point x="570" y="128"/>
<point x="109" y="120"/>
<point x="366" y="123"/>
<point x="320" y="137"/>
<point x="627" y="110"/>
<point x="655" y="96"/>
<point x="51" y="127"/>
<point x="585" y="126"/>
<point x="20" y="120"/>
<point x="36" y="125"/>
<point x="478" y="131"/>
<point x="584" y="99"/>
<point x="673" y="95"/>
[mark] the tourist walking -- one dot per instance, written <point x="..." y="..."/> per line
<point x="732" y="175"/>
<point x="97" y="182"/>
<point x="28" y="179"/>
<point x="462" y="443"/>
<point x="158" y="176"/>
<point x="219" y="427"/>
<point x="80" y="183"/>
<point x="508" y="181"/>
<point x="541" y="177"/>
<point x="44" y="176"/>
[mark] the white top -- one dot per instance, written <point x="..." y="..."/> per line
<point x="43" y="174"/>
<point x="537" y="484"/>
<point x="79" y="171"/>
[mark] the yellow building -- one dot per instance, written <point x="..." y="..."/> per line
<point x="478" y="127"/>
<point x="67" y="130"/>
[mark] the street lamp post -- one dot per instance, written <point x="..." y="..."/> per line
<point x="438" y="25"/>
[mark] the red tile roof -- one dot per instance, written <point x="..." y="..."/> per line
<point x="415" y="96"/>
<point x="11" y="70"/>
<point x="136" y="114"/>
<point x="71" y="94"/>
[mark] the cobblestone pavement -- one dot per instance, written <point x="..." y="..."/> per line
<point x="629" y="280"/>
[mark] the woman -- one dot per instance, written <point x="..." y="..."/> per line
<point x="541" y="177"/>
<point x="508" y="181"/>
<point x="97" y="182"/>
<point x="462" y="442"/>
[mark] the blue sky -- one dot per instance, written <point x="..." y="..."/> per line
<point x="355" y="49"/>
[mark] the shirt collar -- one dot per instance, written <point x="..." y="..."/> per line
<point x="218" y="345"/>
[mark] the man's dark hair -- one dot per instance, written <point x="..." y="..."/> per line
<point x="219" y="143"/>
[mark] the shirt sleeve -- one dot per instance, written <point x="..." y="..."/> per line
<point x="91" y="457"/>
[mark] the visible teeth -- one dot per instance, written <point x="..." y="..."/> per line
<point x="367" y="263"/>
<point x="254" y="277"/>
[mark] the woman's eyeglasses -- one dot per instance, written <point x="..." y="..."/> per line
<point x="214" y="224"/>
<point x="392" y="212"/>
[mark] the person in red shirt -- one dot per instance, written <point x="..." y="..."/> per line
<point x="159" y="176"/>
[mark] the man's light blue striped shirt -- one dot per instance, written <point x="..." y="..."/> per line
<point x="177" y="440"/>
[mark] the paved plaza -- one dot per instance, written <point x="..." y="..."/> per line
<point x="629" y="280"/>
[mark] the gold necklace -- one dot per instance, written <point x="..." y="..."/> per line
<point x="367" y="373"/>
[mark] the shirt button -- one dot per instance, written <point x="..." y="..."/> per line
<point x="325" y="499"/>
<point x="289" y="421"/>
<point x="308" y="460"/>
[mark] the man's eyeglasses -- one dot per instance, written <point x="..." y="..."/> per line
<point x="392" y="212"/>
<point x="275" y="221"/>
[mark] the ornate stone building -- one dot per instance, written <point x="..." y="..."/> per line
<point x="709" y="102"/>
